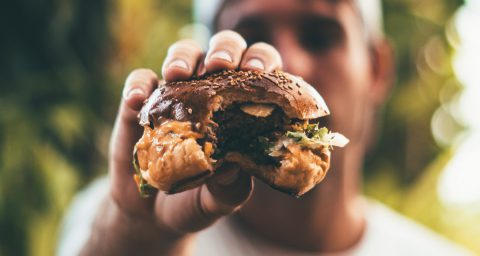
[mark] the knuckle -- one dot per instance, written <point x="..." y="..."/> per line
<point x="142" y="76"/>
<point x="267" y="53"/>
<point x="181" y="55"/>
<point x="204" y="214"/>
<point x="137" y="72"/>
<point x="264" y="49"/>
<point x="229" y="36"/>
<point x="189" y="45"/>
<point x="263" y="46"/>
<point x="187" y="51"/>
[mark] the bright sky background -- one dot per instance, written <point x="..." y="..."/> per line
<point x="459" y="183"/>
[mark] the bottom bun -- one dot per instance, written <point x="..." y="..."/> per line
<point x="299" y="171"/>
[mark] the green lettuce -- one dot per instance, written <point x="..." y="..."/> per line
<point x="314" y="137"/>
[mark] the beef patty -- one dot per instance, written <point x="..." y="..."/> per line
<point x="238" y="131"/>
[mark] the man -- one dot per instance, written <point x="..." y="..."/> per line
<point x="337" y="46"/>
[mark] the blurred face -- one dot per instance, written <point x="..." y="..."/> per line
<point x="321" y="41"/>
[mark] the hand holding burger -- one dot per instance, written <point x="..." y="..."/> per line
<point x="223" y="177"/>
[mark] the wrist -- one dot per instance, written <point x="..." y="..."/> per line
<point x="115" y="232"/>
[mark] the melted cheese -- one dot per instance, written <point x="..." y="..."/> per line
<point x="170" y="154"/>
<point x="258" y="110"/>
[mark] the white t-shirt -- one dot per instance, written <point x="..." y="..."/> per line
<point x="387" y="233"/>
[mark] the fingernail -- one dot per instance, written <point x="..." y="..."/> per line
<point x="221" y="55"/>
<point x="178" y="63"/>
<point x="255" y="63"/>
<point x="134" y="91"/>
<point x="227" y="178"/>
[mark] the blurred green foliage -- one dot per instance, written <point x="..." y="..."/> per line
<point x="403" y="169"/>
<point x="54" y="110"/>
<point x="62" y="68"/>
<point x="414" y="29"/>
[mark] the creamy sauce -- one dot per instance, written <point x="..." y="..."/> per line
<point x="258" y="110"/>
<point x="170" y="153"/>
<point x="302" y="169"/>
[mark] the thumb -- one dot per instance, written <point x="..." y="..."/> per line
<point x="227" y="191"/>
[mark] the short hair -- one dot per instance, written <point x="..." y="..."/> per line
<point x="205" y="11"/>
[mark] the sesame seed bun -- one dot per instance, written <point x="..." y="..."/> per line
<point x="192" y="100"/>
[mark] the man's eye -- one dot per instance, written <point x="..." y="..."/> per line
<point x="318" y="41"/>
<point x="253" y="30"/>
<point x="320" y="35"/>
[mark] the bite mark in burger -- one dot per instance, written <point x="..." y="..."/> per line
<point x="267" y="123"/>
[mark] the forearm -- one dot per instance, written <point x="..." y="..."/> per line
<point x="114" y="233"/>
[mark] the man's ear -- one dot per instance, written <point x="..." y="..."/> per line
<point x="383" y="70"/>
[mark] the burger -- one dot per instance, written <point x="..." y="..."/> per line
<point x="266" y="123"/>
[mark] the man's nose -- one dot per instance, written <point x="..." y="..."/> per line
<point x="296" y="59"/>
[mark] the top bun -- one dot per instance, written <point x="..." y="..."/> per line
<point x="194" y="100"/>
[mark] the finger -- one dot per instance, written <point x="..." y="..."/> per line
<point x="126" y="131"/>
<point x="261" y="56"/>
<point x="138" y="85"/>
<point x="225" y="51"/>
<point x="197" y="209"/>
<point x="181" y="60"/>
<point x="201" y="70"/>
